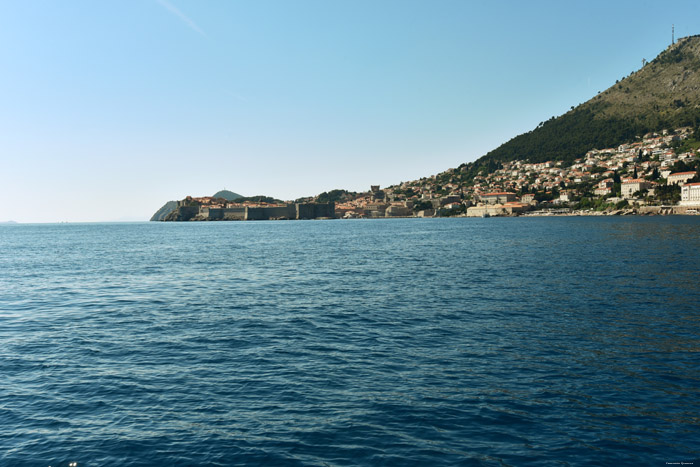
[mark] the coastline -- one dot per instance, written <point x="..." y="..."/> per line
<point x="638" y="211"/>
<point x="666" y="211"/>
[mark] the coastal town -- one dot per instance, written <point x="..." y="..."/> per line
<point x="655" y="175"/>
<point x="658" y="174"/>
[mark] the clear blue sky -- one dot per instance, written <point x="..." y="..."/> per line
<point x="110" y="108"/>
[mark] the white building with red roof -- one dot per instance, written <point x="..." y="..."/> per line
<point x="680" y="177"/>
<point x="632" y="185"/>
<point x="498" y="197"/>
<point x="528" y="198"/>
<point x="690" y="194"/>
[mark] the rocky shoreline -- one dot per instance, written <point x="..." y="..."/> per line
<point x="638" y="211"/>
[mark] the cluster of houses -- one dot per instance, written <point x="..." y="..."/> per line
<point x="631" y="172"/>
<point x="382" y="203"/>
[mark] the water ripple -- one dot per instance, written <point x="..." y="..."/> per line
<point x="443" y="342"/>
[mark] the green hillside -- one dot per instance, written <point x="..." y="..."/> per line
<point x="227" y="195"/>
<point x="664" y="94"/>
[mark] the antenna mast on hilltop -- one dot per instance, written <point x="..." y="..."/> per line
<point x="673" y="34"/>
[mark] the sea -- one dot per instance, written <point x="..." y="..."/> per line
<point x="559" y="341"/>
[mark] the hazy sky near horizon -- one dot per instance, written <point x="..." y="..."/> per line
<point x="111" y="108"/>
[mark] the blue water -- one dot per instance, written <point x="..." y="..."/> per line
<point x="536" y="341"/>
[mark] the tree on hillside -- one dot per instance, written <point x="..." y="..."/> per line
<point x="332" y="196"/>
<point x="681" y="166"/>
<point x="422" y="205"/>
<point x="669" y="194"/>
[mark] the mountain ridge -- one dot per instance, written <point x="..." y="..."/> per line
<point x="664" y="93"/>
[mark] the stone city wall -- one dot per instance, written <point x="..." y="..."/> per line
<point x="290" y="211"/>
<point x="267" y="213"/>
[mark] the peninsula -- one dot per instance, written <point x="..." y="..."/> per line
<point x="632" y="149"/>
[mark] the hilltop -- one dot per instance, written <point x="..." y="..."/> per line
<point x="635" y="146"/>
<point x="663" y="94"/>
<point x="227" y="195"/>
